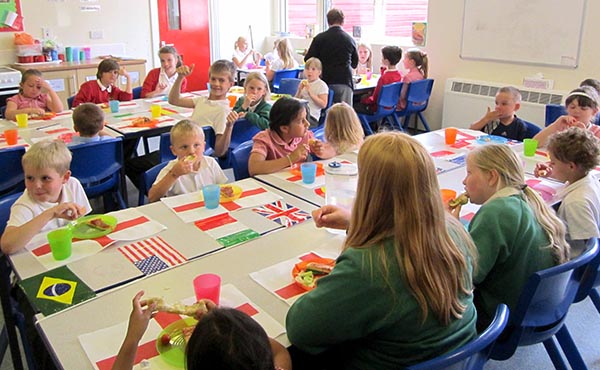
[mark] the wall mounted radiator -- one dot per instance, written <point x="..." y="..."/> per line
<point x="466" y="101"/>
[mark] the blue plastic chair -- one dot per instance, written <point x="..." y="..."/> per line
<point x="553" y="111"/>
<point x="99" y="168"/>
<point x="281" y="74"/>
<point x="243" y="130"/>
<point x="13" y="318"/>
<point x="147" y="180"/>
<point x="386" y="107"/>
<point x="541" y="312"/>
<point x="532" y="129"/>
<point x="164" y="146"/>
<point x="11" y="169"/>
<point x="289" y="86"/>
<point x="326" y="109"/>
<point x="70" y="101"/>
<point x="239" y="160"/>
<point x="473" y="355"/>
<point x="417" y="100"/>
<point x="137" y="92"/>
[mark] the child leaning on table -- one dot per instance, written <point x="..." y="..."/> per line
<point x="224" y="338"/>
<point x="390" y="55"/>
<point x="573" y="154"/>
<point x="103" y="88"/>
<point x="253" y="106"/>
<point x="502" y="121"/>
<point x="88" y="121"/>
<point x="211" y="110"/>
<point x="582" y="106"/>
<point x="51" y="199"/>
<point x="191" y="170"/>
<point x="314" y="90"/>
<point x="31" y="99"/>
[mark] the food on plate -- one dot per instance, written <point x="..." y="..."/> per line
<point x="165" y="339"/>
<point x="187" y="332"/>
<point x="460" y="200"/>
<point x="227" y="191"/>
<point x="178" y="308"/>
<point x="319" y="268"/>
<point x="306" y="273"/>
<point x="98" y="223"/>
<point x="144" y="122"/>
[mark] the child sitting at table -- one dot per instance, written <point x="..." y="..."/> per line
<point x="31" y="99"/>
<point x="390" y="55"/>
<point x="314" y="90"/>
<point x="88" y="121"/>
<point x="104" y="89"/>
<point x="211" y="110"/>
<point x="51" y="199"/>
<point x="159" y="80"/>
<point x="343" y="132"/>
<point x="286" y="59"/>
<point x="416" y="64"/>
<point x="224" y="338"/>
<point x="582" y="106"/>
<point x="242" y="56"/>
<point x="503" y="121"/>
<point x="191" y="170"/>
<point x="365" y="59"/>
<point x="573" y="154"/>
<point x="285" y="142"/>
<point x="253" y="106"/>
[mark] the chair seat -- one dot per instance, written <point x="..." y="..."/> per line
<point x="386" y="108"/>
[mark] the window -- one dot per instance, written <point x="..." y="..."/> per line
<point x="378" y="19"/>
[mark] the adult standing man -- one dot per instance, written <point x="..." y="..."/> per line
<point x="338" y="54"/>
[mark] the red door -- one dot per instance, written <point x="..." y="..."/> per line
<point x="184" y="23"/>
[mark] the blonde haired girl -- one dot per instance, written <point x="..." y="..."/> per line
<point x="253" y="106"/>
<point x="343" y="132"/>
<point x="242" y="55"/>
<point x="515" y="231"/>
<point x="286" y="59"/>
<point x="403" y="280"/>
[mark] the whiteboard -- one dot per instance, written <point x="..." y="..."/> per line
<point x="546" y="32"/>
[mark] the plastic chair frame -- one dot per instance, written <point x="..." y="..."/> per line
<point x="239" y="160"/>
<point x="146" y="181"/>
<point x="11" y="170"/>
<point x="283" y="73"/>
<point x="417" y="100"/>
<point x="289" y="86"/>
<point x="386" y="107"/>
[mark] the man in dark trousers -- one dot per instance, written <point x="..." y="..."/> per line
<point x="338" y="54"/>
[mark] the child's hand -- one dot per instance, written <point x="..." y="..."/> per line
<point x="232" y="117"/>
<point x="185" y="70"/>
<point x="161" y="87"/>
<point x="68" y="211"/>
<point x="139" y="317"/>
<point x="491" y="115"/>
<point x="45" y="85"/>
<point x="250" y="99"/>
<point x="36" y="111"/>
<point x="316" y="146"/>
<point x="303" y="85"/>
<point x="183" y="167"/>
<point x="300" y="154"/>
<point x="454" y="211"/>
<point x="210" y="305"/>
<point x="123" y="72"/>
<point x="542" y="170"/>
<point x="563" y="123"/>
<point x="331" y="216"/>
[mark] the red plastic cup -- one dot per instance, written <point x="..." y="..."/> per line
<point x="11" y="136"/>
<point x="208" y="286"/>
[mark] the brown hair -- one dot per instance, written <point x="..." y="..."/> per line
<point x="335" y="16"/>
<point x="168" y="49"/>
<point x="107" y="65"/>
<point x="421" y="60"/>
<point x="88" y="119"/>
<point x="223" y="66"/>
<point x="25" y="75"/>
<point x="577" y="146"/>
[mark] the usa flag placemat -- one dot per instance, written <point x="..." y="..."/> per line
<point x="152" y="255"/>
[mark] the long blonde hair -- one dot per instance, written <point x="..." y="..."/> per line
<point x="500" y="158"/>
<point x="284" y="50"/>
<point x="398" y="197"/>
<point x="343" y="129"/>
<point x="261" y="77"/>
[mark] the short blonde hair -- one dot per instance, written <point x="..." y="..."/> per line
<point x="314" y="62"/>
<point x="223" y="66"/>
<point x="48" y="154"/>
<point x="261" y="77"/>
<point x="186" y="127"/>
<point x="343" y="129"/>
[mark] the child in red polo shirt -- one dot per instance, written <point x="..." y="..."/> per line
<point x="104" y="89"/>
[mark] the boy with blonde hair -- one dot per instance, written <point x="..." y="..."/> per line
<point x="502" y="121"/>
<point x="88" y="121"/>
<point x="191" y="170"/>
<point x="51" y="199"/>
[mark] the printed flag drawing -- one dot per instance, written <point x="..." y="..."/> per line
<point x="152" y="255"/>
<point x="282" y="213"/>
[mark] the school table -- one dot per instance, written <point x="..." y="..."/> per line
<point x="61" y="330"/>
<point x="365" y="86"/>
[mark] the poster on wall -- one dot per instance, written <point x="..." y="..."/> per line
<point x="419" y="33"/>
<point x="11" y="18"/>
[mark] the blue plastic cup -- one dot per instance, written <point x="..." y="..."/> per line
<point x="309" y="172"/>
<point x="212" y="195"/>
<point x="114" y="106"/>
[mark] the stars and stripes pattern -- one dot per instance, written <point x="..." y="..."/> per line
<point x="152" y="255"/>
<point x="282" y="213"/>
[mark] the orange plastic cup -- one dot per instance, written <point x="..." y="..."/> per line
<point x="451" y="135"/>
<point x="447" y="195"/>
<point x="11" y="136"/>
<point x="232" y="100"/>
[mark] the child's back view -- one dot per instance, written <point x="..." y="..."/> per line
<point x="88" y="121"/>
<point x="51" y="199"/>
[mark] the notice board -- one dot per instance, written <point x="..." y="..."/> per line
<point x="544" y="32"/>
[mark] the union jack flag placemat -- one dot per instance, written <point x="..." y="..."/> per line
<point x="282" y="213"/>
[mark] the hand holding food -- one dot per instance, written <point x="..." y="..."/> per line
<point x="68" y="211"/>
<point x="316" y="146"/>
<point x="185" y="70"/>
<point x="542" y="170"/>
<point x="198" y="308"/>
<point x="182" y="167"/>
<point x="300" y="154"/>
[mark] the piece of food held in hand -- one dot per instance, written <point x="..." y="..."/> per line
<point x="190" y="158"/>
<point x="178" y="308"/>
<point x="460" y="200"/>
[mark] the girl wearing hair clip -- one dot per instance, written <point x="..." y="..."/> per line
<point x="416" y="64"/>
<point x="515" y="231"/>
<point x="582" y="106"/>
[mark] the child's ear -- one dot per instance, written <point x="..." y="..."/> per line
<point x="172" y="150"/>
<point x="517" y="106"/>
<point x="284" y="129"/>
<point x="493" y="178"/>
<point x="66" y="176"/>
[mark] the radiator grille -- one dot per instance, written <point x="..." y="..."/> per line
<point x="529" y="96"/>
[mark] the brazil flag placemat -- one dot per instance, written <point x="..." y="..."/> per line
<point x="55" y="290"/>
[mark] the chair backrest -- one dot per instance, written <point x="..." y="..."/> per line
<point x="70" y="101"/>
<point x="289" y="86"/>
<point x="590" y="276"/>
<point x="137" y="92"/>
<point x="283" y="73"/>
<point x="473" y="355"/>
<point x="5" y="204"/>
<point x="243" y="130"/>
<point x="388" y="97"/>
<point x="164" y="146"/>
<point x="11" y="169"/>
<point x="147" y="180"/>
<point x="553" y="111"/>
<point x="324" y="110"/>
<point x="543" y="305"/>
<point x="532" y="129"/>
<point x="417" y="95"/>
<point x="239" y="160"/>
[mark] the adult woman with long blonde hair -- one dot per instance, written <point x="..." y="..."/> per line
<point x="401" y="290"/>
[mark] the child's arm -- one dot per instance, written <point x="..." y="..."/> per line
<point x="561" y="123"/>
<point x="268" y="71"/>
<point x="160" y="188"/>
<point x="16" y="237"/>
<point x="175" y="94"/>
<point x="321" y="149"/>
<point x="123" y="72"/>
<point x="281" y="356"/>
<point x="490" y="115"/>
<point x="257" y="164"/>
<point x="223" y="140"/>
<point x="12" y="111"/>
<point x="54" y="102"/>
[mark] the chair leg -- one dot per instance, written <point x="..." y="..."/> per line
<point x="3" y="343"/>
<point x="595" y="297"/>
<point x="406" y="121"/>
<point x="555" y="356"/>
<point x="366" y="127"/>
<point x="424" y="122"/>
<point x="396" y="122"/>
<point x="570" y="349"/>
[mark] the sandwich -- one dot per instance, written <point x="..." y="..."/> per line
<point x="178" y="308"/>
<point x="460" y="200"/>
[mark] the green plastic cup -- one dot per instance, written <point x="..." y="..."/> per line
<point x="529" y="147"/>
<point x="60" y="243"/>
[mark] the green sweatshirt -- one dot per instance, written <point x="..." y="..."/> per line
<point x="258" y="117"/>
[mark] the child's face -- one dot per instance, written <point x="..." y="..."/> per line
<point x="506" y="105"/>
<point x="32" y="87"/>
<point x="242" y="44"/>
<point x="363" y="54"/>
<point x="184" y="145"/>
<point x="562" y="171"/>
<point x="298" y="126"/>
<point x="220" y="83"/>
<point x="256" y="89"/>
<point x="477" y="183"/>
<point x="44" y="185"/>
<point x="582" y="114"/>
<point x="109" y="78"/>
<point x="408" y="63"/>
<point x="168" y="62"/>
<point x="312" y="73"/>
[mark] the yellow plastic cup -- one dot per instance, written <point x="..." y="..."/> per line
<point x="156" y="110"/>
<point x="22" y="119"/>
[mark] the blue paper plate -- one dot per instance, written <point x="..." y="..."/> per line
<point x="491" y="139"/>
